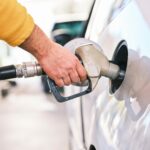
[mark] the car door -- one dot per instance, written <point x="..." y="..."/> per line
<point x="120" y="119"/>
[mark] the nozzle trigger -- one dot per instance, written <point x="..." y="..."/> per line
<point x="54" y="89"/>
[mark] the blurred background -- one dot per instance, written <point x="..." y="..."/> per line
<point x="30" y="118"/>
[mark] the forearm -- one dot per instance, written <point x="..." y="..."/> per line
<point x="34" y="43"/>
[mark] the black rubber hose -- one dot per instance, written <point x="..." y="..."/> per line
<point x="7" y="72"/>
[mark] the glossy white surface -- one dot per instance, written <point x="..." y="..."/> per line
<point x="121" y="121"/>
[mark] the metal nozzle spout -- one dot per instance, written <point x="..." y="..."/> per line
<point x="96" y="63"/>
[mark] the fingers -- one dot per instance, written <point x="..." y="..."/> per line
<point x="59" y="82"/>
<point x="81" y="72"/>
<point x="67" y="80"/>
<point x="74" y="77"/>
<point x="63" y="81"/>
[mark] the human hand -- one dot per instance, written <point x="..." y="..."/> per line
<point x="62" y="66"/>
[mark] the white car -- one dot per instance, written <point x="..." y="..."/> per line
<point x="116" y="114"/>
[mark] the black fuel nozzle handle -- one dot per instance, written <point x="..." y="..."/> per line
<point x="54" y="89"/>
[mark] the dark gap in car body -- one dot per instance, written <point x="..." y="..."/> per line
<point x="120" y="58"/>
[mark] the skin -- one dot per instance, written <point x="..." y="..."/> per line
<point x="57" y="62"/>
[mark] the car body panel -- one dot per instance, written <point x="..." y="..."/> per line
<point x="75" y="115"/>
<point x="120" y="121"/>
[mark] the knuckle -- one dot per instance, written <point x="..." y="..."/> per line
<point x="58" y="74"/>
<point x="67" y="81"/>
<point x="74" y="77"/>
<point x="76" y="80"/>
<point x="74" y="62"/>
<point x="55" y="73"/>
<point x="83" y="78"/>
<point x="83" y="75"/>
<point x="59" y="83"/>
<point x="72" y="65"/>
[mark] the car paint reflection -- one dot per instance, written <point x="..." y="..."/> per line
<point x="116" y="130"/>
<point x="121" y="121"/>
<point x="136" y="86"/>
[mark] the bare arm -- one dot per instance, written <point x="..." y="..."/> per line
<point x="58" y="62"/>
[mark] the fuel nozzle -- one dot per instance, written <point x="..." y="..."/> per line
<point x="94" y="61"/>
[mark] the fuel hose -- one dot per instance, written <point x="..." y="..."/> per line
<point x="8" y="72"/>
<point x="26" y="69"/>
